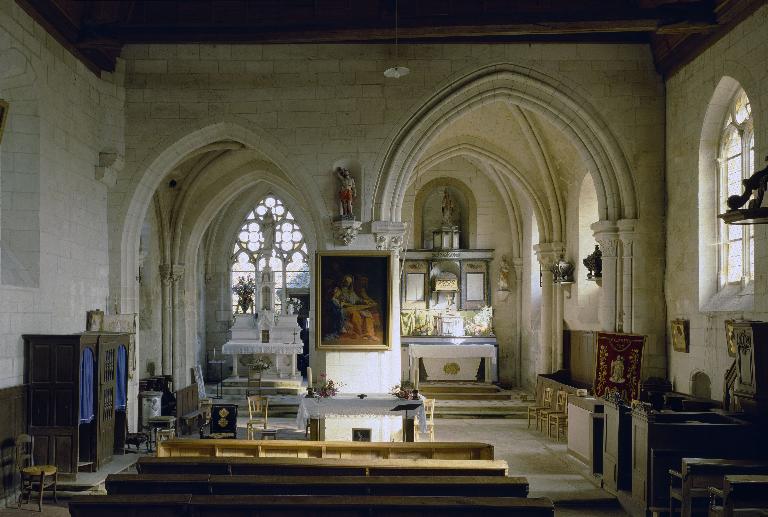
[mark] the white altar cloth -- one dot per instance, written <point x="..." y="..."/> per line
<point x="249" y="347"/>
<point x="378" y="404"/>
<point x="462" y="354"/>
<point x="450" y="351"/>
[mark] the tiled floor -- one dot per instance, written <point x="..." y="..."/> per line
<point x="529" y="453"/>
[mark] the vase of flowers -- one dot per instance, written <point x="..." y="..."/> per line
<point x="256" y="368"/>
<point x="327" y="388"/>
<point x="404" y="390"/>
<point x="244" y="289"/>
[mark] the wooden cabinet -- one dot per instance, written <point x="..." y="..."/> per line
<point x="52" y="371"/>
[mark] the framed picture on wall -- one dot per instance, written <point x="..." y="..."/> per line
<point x="680" y="335"/>
<point x="354" y="300"/>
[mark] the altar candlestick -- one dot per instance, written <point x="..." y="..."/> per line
<point x="309" y="377"/>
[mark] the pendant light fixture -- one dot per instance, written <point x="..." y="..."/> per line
<point x="396" y="72"/>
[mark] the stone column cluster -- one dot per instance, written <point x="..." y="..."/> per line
<point x="171" y="276"/>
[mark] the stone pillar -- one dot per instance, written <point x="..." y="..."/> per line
<point x="627" y="238"/>
<point x="172" y="314"/>
<point x="166" y="318"/>
<point x="551" y="345"/>
<point x="517" y="267"/>
<point x="179" y="325"/>
<point x="606" y="234"/>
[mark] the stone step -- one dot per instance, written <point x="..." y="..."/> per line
<point x="458" y="388"/>
<point x="468" y="396"/>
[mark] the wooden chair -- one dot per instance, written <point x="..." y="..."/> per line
<point x="560" y="419"/>
<point x="258" y="414"/>
<point x="533" y="411"/>
<point x="429" y="409"/>
<point x="560" y="400"/>
<point x="33" y="476"/>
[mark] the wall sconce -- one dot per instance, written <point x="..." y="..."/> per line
<point x="594" y="264"/>
<point x="755" y="213"/>
<point x="562" y="271"/>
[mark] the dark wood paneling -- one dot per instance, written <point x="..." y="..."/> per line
<point x="13" y="408"/>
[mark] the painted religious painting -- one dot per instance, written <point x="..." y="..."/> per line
<point x="619" y="360"/>
<point x="353" y="290"/>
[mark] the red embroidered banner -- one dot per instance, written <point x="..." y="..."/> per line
<point x="619" y="358"/>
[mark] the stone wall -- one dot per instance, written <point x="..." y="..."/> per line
<point x="53" y="230"/>
<point x="697" y="97"/>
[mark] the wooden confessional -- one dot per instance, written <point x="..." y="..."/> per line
<point x="53" y="372"/>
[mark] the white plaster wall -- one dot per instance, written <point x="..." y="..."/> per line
<point x="150" y="317"/>
<point x="79" y="115"/>
<point x="742" y="55"/>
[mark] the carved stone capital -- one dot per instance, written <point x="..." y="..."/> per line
<point x="171" y="273"/>
<point x="345" y="231"/>
<point x="548" y="253"/>
<point x="607" y="235"/>
<point x="110" y="164"/>
<point x="389" y="235"/>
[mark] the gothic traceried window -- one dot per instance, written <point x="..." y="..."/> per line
<point x="736" y="162"/>
<point x="271" y="233"/>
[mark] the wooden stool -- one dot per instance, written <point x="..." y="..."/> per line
<point x="165" y="434"/>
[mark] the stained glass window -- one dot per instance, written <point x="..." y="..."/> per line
<point x="271" y="234"/>
<point x="737" y="148"/>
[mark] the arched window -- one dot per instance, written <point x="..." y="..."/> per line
<point x="271" y="233"/>
<point x="737" y="152"/>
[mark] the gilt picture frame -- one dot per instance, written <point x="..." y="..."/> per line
<point x="680" y="336"/>
<point x="354" y="300"/>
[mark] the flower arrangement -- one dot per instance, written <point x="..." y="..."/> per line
<point x="481" y="323"/>
<point x="327" y="387"/>
<point x="404" y="390"/>
<point x="244" y="289"/>
<point x="260" y="364"/>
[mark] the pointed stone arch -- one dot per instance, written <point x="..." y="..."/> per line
<point x="562" y="105"/>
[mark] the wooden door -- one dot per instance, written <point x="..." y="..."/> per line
<point x="107" y="373"/>
<point x="52" y="373"/>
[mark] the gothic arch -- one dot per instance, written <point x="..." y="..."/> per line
<point x="559" y="103"/>
<point x="153" y="170"/>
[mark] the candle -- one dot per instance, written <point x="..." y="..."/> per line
<point x="309" y="377"/>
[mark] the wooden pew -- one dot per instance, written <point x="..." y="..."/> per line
<point x="320" y="467"/>
<point x="464" y="486"/>
<point x="127" y="484"/>
<point x="175" y="505"/>
<point x="690" y="485"/>
<point x="740" y="493"/>
<point x="302" y="506"/>
<point x="309" y="449"/>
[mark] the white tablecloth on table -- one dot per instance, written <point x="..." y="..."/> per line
<point x="239" y="348"/>
<point x="450" y="351"/>
<point x="350" y="405"/>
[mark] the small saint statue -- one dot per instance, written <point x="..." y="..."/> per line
<point x="617" y="370"/>
<point x="268" y="231"/>
<point x="504" y="274"/>
<point x="347" y="192"/>
<point x="447" y="208"/>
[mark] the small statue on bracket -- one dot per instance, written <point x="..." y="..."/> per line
<point x="347" y="192"/>
<point x="447" y="209"/>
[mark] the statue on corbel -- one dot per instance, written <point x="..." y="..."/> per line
<point x="345" y="226"/>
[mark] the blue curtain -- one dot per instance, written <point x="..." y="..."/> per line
<point x="120" y="397"/>
<point x="86" y="386"/>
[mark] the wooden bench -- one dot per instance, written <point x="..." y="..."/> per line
<point x="308" y="449"/>
<point x="320" y="467"/>
<point x="741" y="495"/>
<point x="302" y="505"/>
<point x="689" y="487"/>
<point x="189" y="418"/>
<point x="174" y="505"/>
<point x="465" y="486"/>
